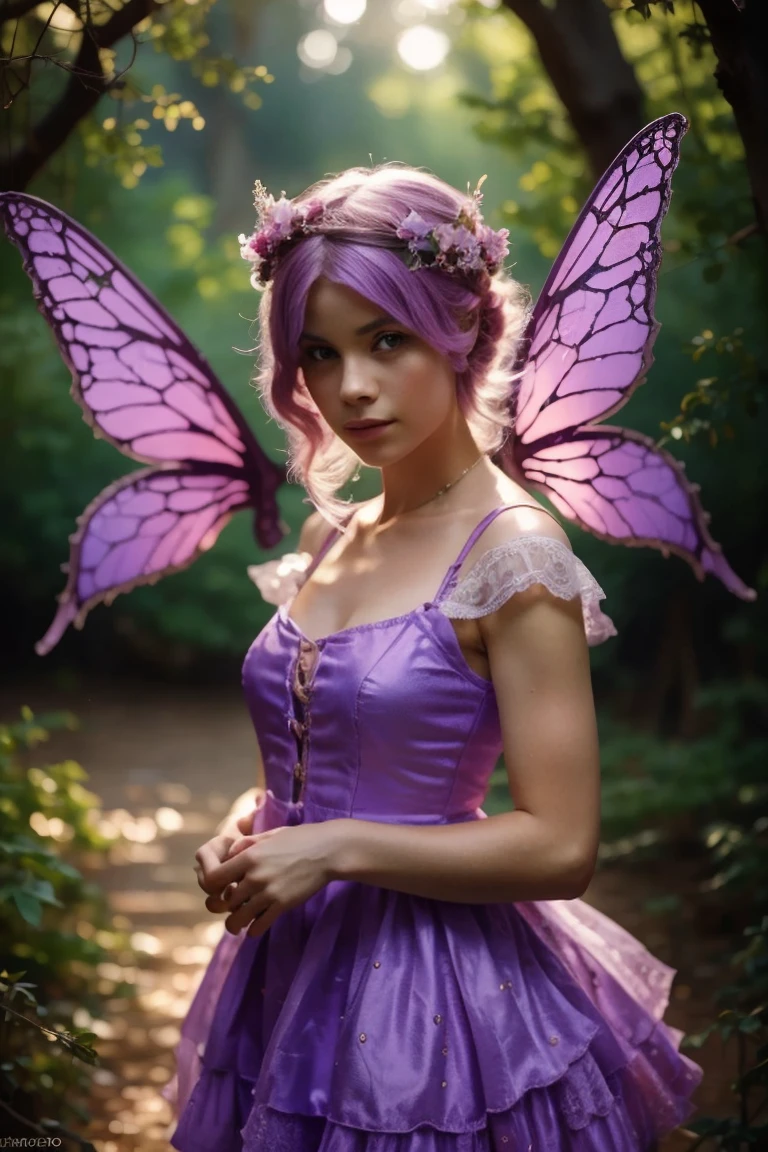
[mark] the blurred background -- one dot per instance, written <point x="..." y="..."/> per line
<point x="149" y="122"/>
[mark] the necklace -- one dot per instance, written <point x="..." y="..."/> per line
<point x="445" y="487"/>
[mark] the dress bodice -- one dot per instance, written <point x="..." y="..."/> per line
<point x="386" y="720"/>
<point x="396" y="726"/>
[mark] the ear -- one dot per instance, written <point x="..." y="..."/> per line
<point x="468" y="318"/>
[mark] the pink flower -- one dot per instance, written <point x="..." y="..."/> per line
<point x="457" y="241"/>
<point x="279" y="221"/>
<point x="495" y="244"/>
<point x="413" y="228"/>
<point x="280" y="217"/>
<point x="312" y="210"/>
<point x="248" y="247"/>
<point x="263" y="243"/>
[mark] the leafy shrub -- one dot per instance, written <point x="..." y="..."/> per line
<point x="709" y="797"/>
<point x="55" y="931"/>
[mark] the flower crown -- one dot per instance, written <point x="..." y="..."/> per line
<point x="465" y="245"/>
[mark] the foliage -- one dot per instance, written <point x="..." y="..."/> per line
<point x="48" y="63"/>
<point x="743" y="1020"/>
<point x="738" y="387"/>
<point x="55" y="932"/>
<point x="523" y="115"/>
<point x="696" y="788"/>
<point x="709" y="796"/>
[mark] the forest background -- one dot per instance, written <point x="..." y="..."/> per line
<point x="148" y="122"/>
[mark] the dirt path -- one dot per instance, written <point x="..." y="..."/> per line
<point x="168" y="764"/>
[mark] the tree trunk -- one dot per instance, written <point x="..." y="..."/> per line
<point x="676" y="674"/>
<point x="582" y="58"/>
<point x="740" y="41"/>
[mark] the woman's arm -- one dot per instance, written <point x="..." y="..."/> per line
<point x="545" y="849"/>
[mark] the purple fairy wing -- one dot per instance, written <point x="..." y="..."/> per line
<point x="618" y="485"/>
<point x="144" y="387"/>
<point x="587" y="347"/>
<point x="140" y="528"/>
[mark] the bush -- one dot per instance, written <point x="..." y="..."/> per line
<point x="55" y="931"/>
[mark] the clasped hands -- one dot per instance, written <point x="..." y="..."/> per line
<point x="256" y="877"/>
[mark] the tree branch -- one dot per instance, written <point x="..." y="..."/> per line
<point x="86" y="86"/>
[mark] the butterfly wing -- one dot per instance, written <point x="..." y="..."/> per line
<point x="143" y="387"/>
<point x="142" y="527"/>
<point x="618" y="485"/>
<point x="587" y="347"/>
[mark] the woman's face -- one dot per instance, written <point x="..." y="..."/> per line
<point x="361" y="365"/>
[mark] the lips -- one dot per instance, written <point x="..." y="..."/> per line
<point x="357" y="425"/>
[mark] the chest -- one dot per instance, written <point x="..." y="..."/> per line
<point x="331" y="602"/>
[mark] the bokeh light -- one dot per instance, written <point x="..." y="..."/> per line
<point x="344" y="11"/>
<point x="341" y="61"/>
<point x="318" y="49"/>
<point x="408" y="11"/>
<point x="422" y="47"/>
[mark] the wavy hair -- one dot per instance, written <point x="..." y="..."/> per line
<point x="476" y="322"/>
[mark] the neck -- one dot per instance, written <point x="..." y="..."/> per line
<point x="412" y="485"/>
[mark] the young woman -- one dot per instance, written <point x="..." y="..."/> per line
<point x="400" y="973"/>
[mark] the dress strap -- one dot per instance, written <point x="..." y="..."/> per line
<point x="450" y="577"/>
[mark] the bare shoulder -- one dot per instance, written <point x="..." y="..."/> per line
<point x="526" y="517"/>
<point x="313" y="532"/>
<point x="530" y="520"/>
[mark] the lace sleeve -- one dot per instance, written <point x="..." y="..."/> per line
<point x="279" y="580"/>
<point x="515" y="565"/>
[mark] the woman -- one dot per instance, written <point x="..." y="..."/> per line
<point x="399" y="973"/>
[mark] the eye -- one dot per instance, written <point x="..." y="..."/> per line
<point x="398" y="339"/>
<point x="317" y="355"/>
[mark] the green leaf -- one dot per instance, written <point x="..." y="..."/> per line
<point x="30" y="908"/>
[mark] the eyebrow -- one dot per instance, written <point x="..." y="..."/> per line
<point x="366" y="328"/>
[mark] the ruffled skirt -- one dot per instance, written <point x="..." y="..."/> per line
<point x="368" y="1020"/>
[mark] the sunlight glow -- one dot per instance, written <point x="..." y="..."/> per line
<point x="422" y="47"/>
<point x="317" y="49"/>
<point x="344" y="11"/>
<point x="62" y="18"/>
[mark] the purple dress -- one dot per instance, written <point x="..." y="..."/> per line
<point x="369" y="1020"/>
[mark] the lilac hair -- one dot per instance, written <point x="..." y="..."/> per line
<point x="475" y="322"/>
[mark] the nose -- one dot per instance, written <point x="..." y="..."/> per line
<point x="358" y="382"/>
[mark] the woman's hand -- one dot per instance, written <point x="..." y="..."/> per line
<point x="259" y="876"/>
<point x="218" y="849"/>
